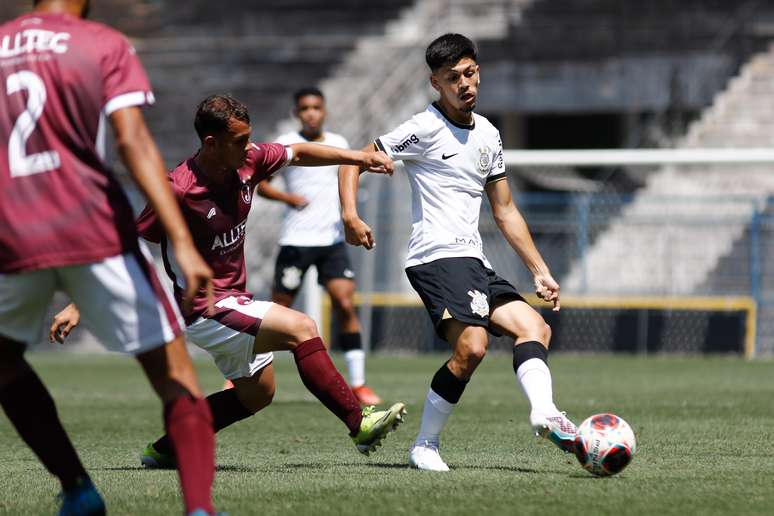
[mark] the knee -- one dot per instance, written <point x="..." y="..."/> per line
<point x="546" y="334"/>
<point x="259" y="398"/>
<point x="303" y="329"/>
<point x="345" y="306"/>
<point x="538" y="331"/>
<point x="470" y="356"/>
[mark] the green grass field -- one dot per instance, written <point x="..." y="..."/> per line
<point x="704" y="429"/>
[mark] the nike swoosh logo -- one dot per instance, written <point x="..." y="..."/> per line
<point x="444" y="156"/>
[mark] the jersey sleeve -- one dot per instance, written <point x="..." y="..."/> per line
<point x="125" y="82"/>
<point x="266" y="158"/>
<point x="497" y="168"/>
<point x="149" y="227"/>
<point x="404" y="142"/>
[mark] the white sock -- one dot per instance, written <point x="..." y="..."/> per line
<point x="355" y="367"/>
<point x="434" y="416"/>
<point x="535" y="380"/>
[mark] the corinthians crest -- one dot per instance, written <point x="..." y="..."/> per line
<point x="484" y="159"/>
<point x="479" y="305"/>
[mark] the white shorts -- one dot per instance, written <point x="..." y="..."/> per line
<point x="120" y="299"/>
<point x="229" y="336"/>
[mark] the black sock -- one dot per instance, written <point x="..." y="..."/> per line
<point x="350" y="341"/>
<point x="226" y="410"/>
<point x="448" y="386"/>
<point x="528" y="350"/>
<point x="32" y="412"/>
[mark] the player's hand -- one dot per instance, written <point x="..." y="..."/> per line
<point x="296" y="201"/>
<point x="547" y="289"/>
<point x="358" y="232"/>
<point x="198" y="276"/>
<point x="379" y="162"/>
<point x="64" y="322"/>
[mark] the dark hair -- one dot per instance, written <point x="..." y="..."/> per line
<point x="215" y="112"/>
<point x="448" y="49"/>
<point x="308" y="90"/>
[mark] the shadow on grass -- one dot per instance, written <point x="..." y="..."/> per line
<point x="512" y="469"/>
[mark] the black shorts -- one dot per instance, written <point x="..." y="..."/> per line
<point x="461" y="289"/>
<point x="331" y="262"/>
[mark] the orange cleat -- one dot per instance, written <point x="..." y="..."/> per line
<point x="365" y="395"/>
<point x="228" y="384"/>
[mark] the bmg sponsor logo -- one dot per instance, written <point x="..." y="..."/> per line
<point x="405" y="144"/>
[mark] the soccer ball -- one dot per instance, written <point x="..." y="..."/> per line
<point x="604" y="444"/>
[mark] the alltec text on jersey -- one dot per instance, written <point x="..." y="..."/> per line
<point x="33" y="40"/>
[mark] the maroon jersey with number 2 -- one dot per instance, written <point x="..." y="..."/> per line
<point x="216" y="216"/>
<point x="60" y="78"/>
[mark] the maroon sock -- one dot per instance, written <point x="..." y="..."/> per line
<point x="226" y="410"/>
<point x="189" y="425"/>
<point x="32" y="412"/>
<point x="323" y="380"/>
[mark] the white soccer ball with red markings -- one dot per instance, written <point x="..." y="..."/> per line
<point x="605" y="444"/>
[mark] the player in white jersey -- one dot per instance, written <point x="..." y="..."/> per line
<point x="312" y="234"/>
<point x="453" y="156"/>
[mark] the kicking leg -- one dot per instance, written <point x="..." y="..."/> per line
<point x="469" y="345"/>
<point x="530" y="363"/>
<point x="286" y="329"/>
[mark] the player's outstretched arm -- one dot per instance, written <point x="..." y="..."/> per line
<point x="139" y="153"/>
<point x="314" y="155"/>
<point x="356" y="231"/>
<point x="266" y="190"/>
<point x="513" y="226"/>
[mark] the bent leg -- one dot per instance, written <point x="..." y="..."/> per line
<point x="530" y="353"/>
<point x="449" y="382"/>
<point x="286" y="329"/>
<point x="530" y="363"/>
<point x="249" y="395"/>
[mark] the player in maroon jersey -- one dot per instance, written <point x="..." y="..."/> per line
<point x="215" y="188"/>
<point x="66" y="224"/>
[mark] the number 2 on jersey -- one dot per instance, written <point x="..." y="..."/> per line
<point x="19" y="162"/>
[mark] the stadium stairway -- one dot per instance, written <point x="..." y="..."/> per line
<point x="641" y="252"/>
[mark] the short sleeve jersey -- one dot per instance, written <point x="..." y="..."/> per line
<point x="60" y="204"/>
<point x="216" y="215"/>
<point x="448" y="165"/>
<point x="319" y="223"/>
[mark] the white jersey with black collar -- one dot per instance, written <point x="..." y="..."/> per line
<point x="319" y="223"/>
<point x="448" y="166"/>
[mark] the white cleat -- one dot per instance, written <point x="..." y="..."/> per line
<point x="557" y="429"/>
<point x="426" y="457"/>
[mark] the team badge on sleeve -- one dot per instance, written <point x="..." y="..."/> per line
<point x="484" y="159"/>
<point x="479" y="305"/>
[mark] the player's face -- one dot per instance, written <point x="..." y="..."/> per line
<point x="310" y="110"/>
<point x="231" y="146"/>
<point x="458" y="84"/>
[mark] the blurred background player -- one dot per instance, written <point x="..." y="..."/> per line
<point x="452" y="156"/>
<point x="66" y="224"/>
<point x="214" y="188"/>
<point x="312" y="234"/>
